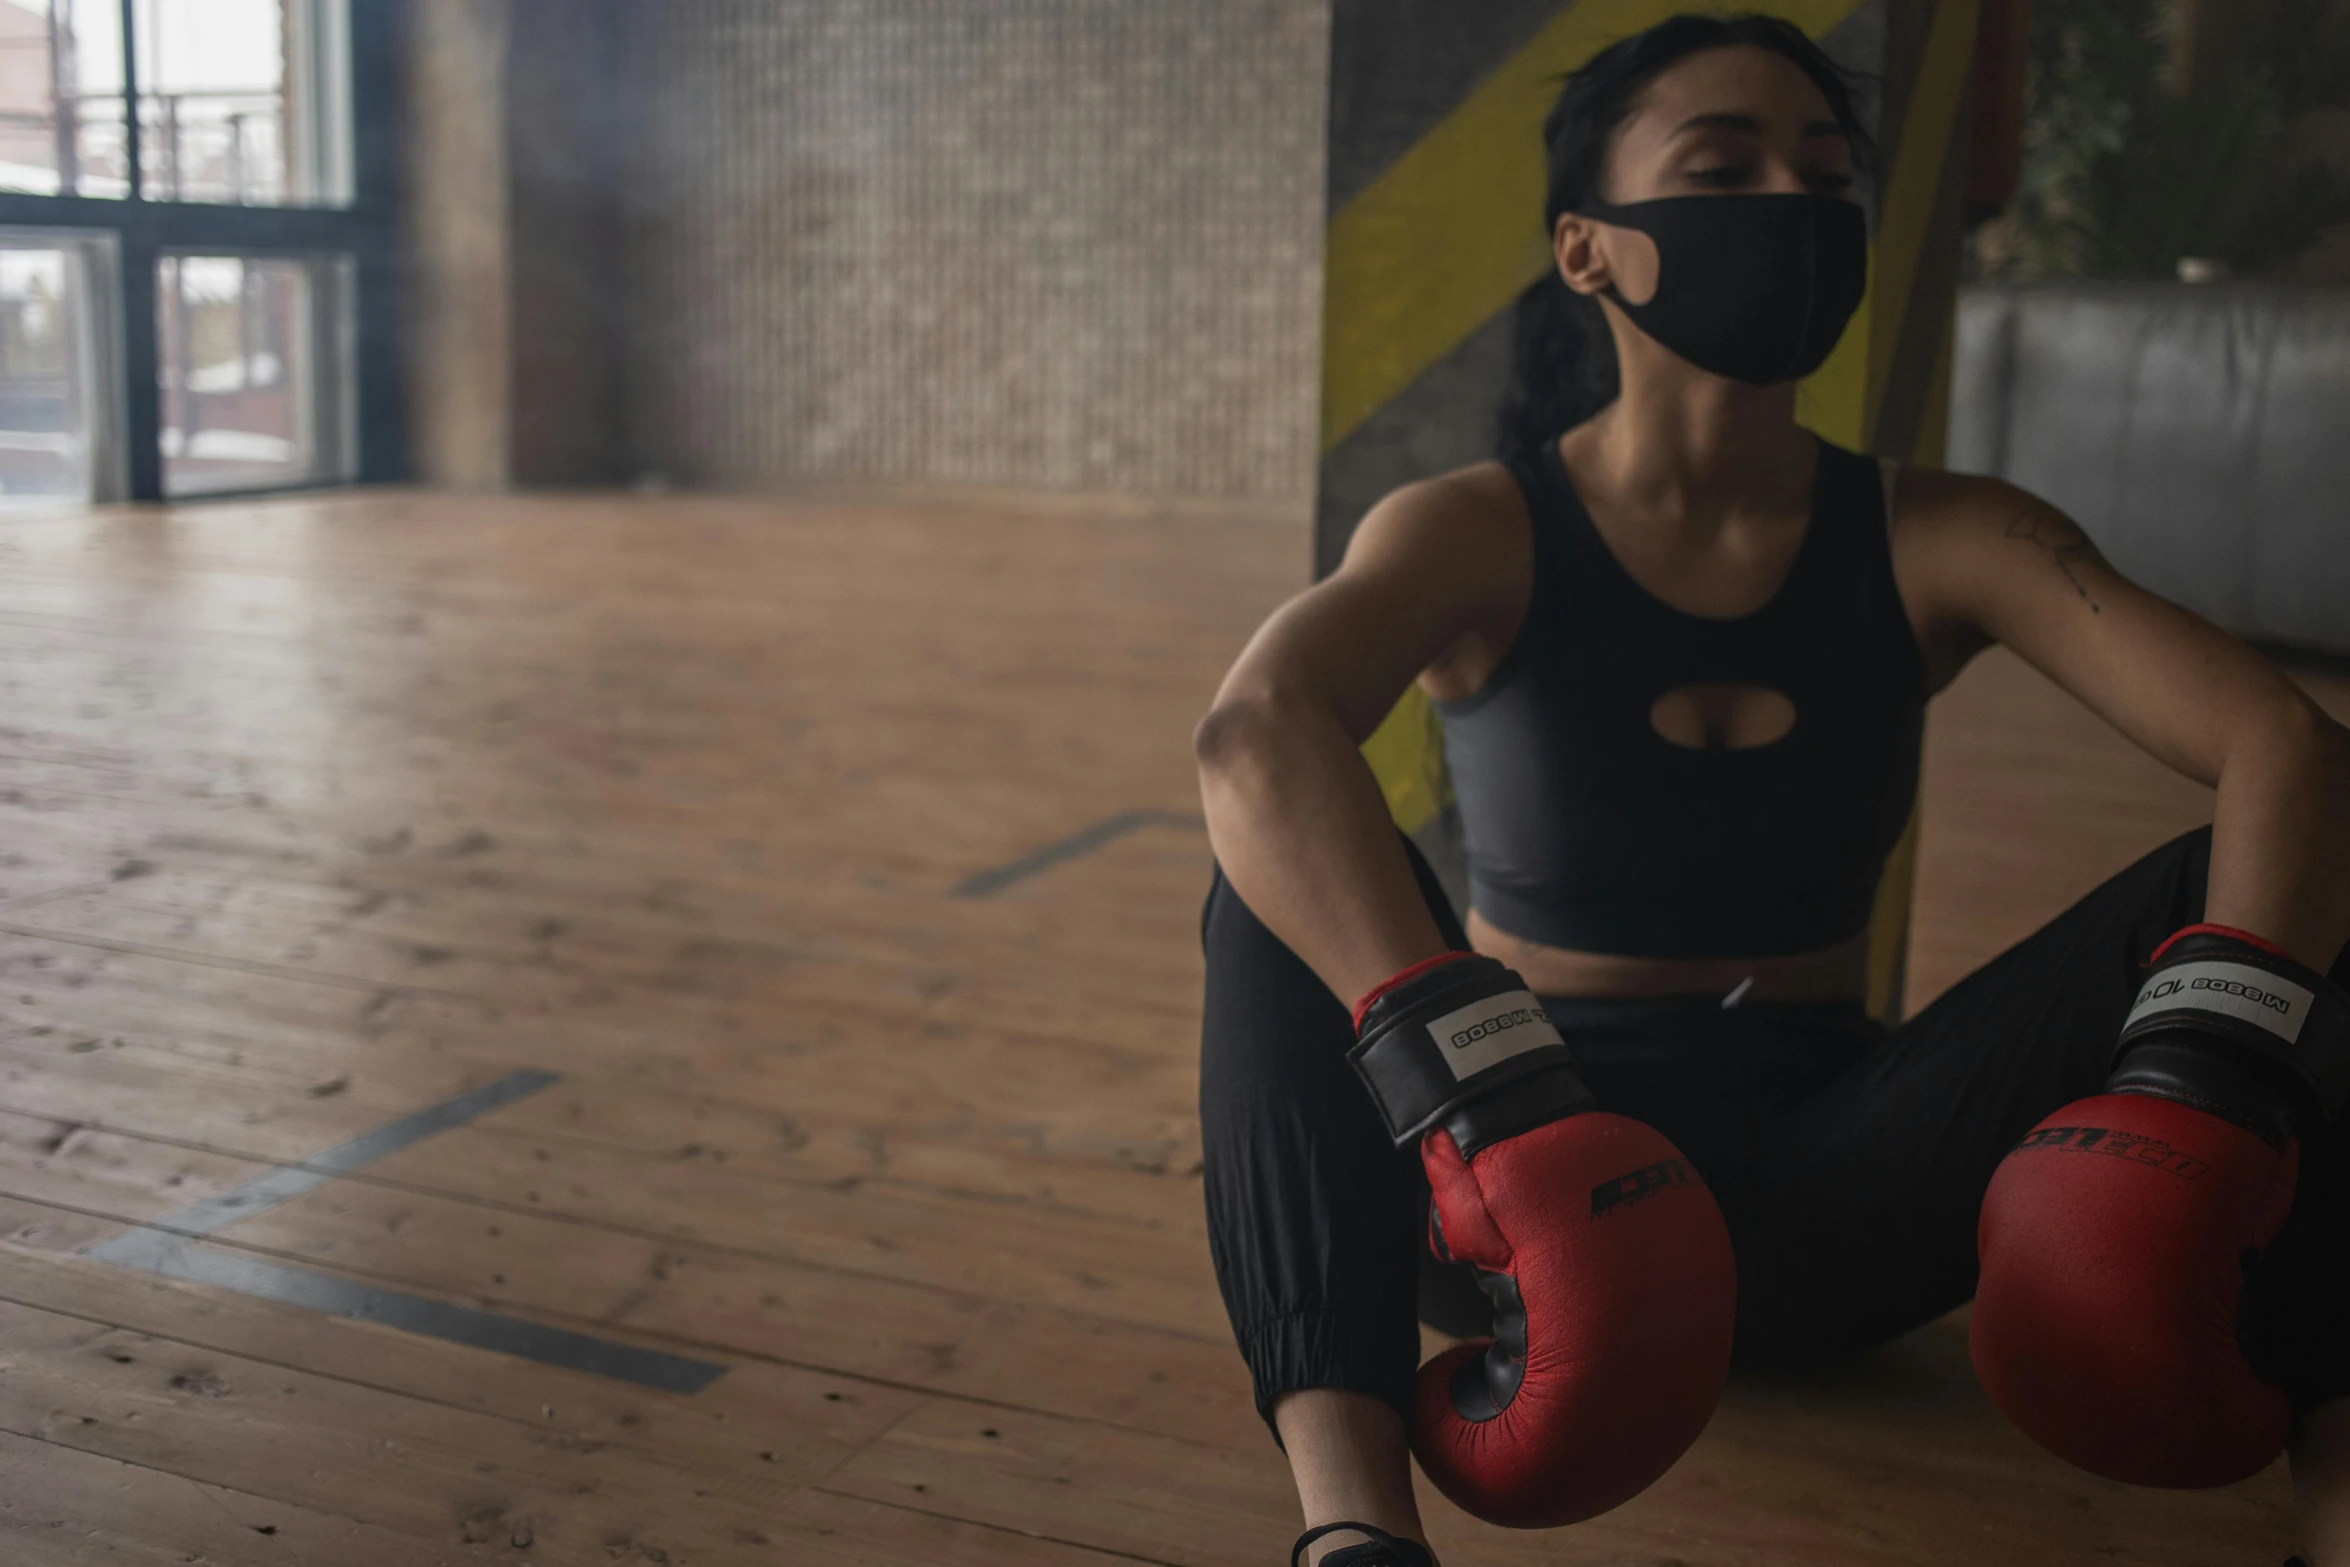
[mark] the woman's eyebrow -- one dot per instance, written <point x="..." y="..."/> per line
<point x="1721" y="121"/>
<point x="1751" y="125"/>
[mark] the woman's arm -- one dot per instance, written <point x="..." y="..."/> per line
<point x="1437" y="575"/>
<point x="1982" y="557"/>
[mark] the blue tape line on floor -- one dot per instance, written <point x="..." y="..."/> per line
<point x="1084" y="842"/>
<point x="177" y="1257"/>
<point x="168" y="1248"/>
<point x="289" y="1181"/>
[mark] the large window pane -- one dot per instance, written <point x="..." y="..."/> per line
<point x="61" y="117"/>
<point x="242" y="101"/>
<point x="253" y="372"/>
<point x="55" y="409"/>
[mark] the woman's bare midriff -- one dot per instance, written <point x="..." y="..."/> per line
<point x="1838" y="973"/>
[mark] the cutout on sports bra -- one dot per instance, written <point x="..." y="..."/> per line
<point x="1722" y="717"/>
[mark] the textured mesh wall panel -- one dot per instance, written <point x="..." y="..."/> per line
<point x="1053" y="243"/>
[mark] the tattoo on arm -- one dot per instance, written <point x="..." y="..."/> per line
<point x="2065" y="543"/>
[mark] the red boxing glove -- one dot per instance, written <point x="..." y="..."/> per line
<point x="2109" y="1322"/>
<point x="1608" y="1264"/>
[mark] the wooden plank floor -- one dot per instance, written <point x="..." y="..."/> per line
<point x="316" y="813"/>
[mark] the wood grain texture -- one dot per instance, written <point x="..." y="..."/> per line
<point x="63" y="1507"/>
<point x="316" y="812"/>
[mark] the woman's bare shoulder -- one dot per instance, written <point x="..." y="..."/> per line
<point x="1480" y="504"/>
<point x="1930" y="499"/>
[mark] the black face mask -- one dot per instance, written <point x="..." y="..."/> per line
<point x="1757" y="288"/>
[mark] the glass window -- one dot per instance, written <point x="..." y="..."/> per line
<point x="240" y="101"/>
<point x="247" y="370"/>
<point x="56" y="411"/>
<point x="254" y="370"/>
<point x="61" y="114"/>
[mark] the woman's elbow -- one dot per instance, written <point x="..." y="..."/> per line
<point x="2304" y="742"/>
<point x="2331" y="744"/>
<point x="1230" y="735"/>
<point x="2312" y="731"/>
<point x="1251" y="739"/>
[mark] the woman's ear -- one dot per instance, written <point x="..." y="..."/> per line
<point x="1599" y="258"/>
<point x="1582" y="259"/>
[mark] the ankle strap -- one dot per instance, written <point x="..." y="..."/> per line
<point x="1398" y="1551"/>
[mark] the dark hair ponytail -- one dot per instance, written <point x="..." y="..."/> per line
<point x="1563" y="361"/>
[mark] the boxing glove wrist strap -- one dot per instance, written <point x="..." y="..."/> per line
<point x="1403" y="977"/>
<point x="2244" y="936"/>
<point x="1440" y="1045"/>
<point x="2211" y="982"/>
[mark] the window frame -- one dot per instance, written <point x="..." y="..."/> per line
<point x="93" y="255"/>
<point x="365" y="231"/>
<point x="332" y="356"/>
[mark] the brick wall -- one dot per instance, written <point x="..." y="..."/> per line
<point x="1063" y="244"/>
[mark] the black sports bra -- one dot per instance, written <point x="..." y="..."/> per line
<point x="1585" y="828"/>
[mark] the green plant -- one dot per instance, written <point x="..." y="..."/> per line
<point x="2123" y="175"/>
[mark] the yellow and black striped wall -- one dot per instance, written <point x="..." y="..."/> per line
<point x="1435" y="228"/>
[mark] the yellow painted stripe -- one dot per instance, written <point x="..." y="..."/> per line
<point x="1450" y="234"/>
<point x="1842" y="399"/>
<point x="1834" y="402"/>
<point x="1406" y="753"/>
<point x="1914" y="187"/>
<point x="1934" y="428"/>
<point x="1889" y="925"/>
<point x="1912" y="191"/>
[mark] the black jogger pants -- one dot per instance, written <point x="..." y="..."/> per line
<point x="1850" y="1160"/>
